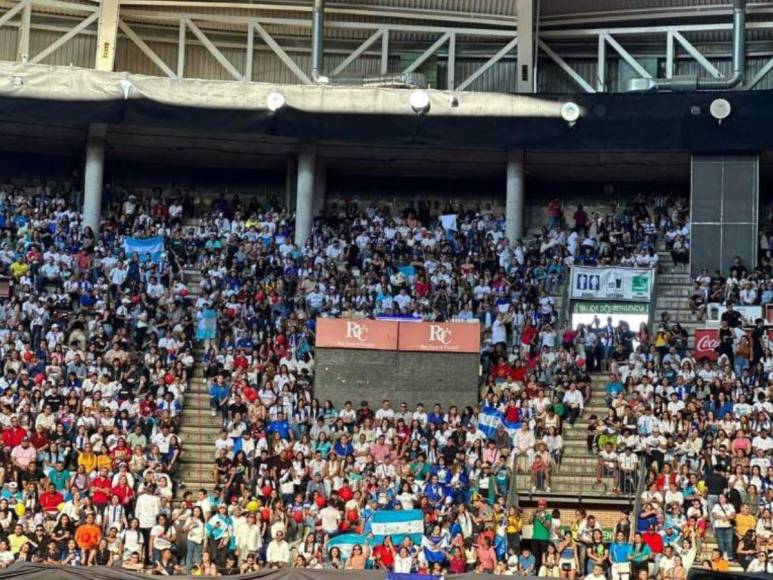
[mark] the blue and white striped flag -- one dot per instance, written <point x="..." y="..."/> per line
<point x="490" y="418"/>
<point x="511" y="427"/>
<point x="345" y="543"/>
<point x="144" y="247"/>
<point x="397" y="524"/>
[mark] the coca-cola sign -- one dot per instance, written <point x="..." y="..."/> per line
<point x="706" y="342"/>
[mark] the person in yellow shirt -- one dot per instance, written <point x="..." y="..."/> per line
<point x="104" y="461"/>
<point x="514" y="529"/>
<point x="718" y="563"/>
<point x="19" y="268"/>
<point x="88" y="459"/>
<point x="17" y="539"/>
<point x="744" y="521"/>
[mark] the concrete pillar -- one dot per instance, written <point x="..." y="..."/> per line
<point x="515" y="196"/>
<point x="320" y="188"/>
<point x="305" y="197"/>
<point x="92" y="176"/>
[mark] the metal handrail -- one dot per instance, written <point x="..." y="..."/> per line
<point x="640" y="484"/>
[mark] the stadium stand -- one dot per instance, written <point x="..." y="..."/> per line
<point x="171" y="250"/>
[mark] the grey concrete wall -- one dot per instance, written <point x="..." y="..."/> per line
<point x="429" y="378"/>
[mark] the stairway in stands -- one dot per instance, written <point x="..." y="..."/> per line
<point x="198" y="428"/>
<point x="672" y="294"/>
<point x="575" y="478"/>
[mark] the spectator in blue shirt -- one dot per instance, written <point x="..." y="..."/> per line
<point x="343" y="447"/>
<point x="619" y="553"/>
<point x="218" y="397"/>
<point x="526" y="563"/>
<point x="279" y="425"/>
<point x="613" y="388"/>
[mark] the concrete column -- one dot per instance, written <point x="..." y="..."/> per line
<point x="320" y="188"/>
<point x="92" y="176"/>
<point x="515" y="196"/>
<point x="304" y="207"/>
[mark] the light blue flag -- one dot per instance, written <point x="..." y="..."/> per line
<point x="345" y="543"/>
<point x="397" y="524"/>
<point x="489" y="419"/>
<point x="144" y="246"/>
<point x="206" y="329"/>
<point x="409" y="272"/>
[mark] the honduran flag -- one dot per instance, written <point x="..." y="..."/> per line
<point x="511" y="427"/>
<point x="489" y="419"/>
<point x="345" y="543"/>
<point x="144" y="247"/>
<point x="435" y="549"/>
<point x="398" y="524"/>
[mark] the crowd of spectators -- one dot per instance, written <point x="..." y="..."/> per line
<point x="98" y="348"/>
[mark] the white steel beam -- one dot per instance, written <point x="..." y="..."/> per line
<point x="525" y="57"/>
<point x="488" y="64"/>
<point x="761" y="74"/>
<point x="145" y="49"/>
<point x="357" y="52"/>
<point x="250" y="56"/>
<point x="627" y="57"/>
<point x="181" y="34"/>
<point x="601" y="65"/>
<point x="564" y="66"/>
<point x="107" y="33"/>
<point x="670" y="54"/>
<point x="283" y="56"/>
<point x="695" y="53"/>
<point x="213" y="50"/>
<point x="23" y="36"/>
<point x="385" y="52"/>
<point x="61" y="41"/>
<point x="451" y="72"/>
<point x="13" y="11"/>
<point x="428" y="53"/>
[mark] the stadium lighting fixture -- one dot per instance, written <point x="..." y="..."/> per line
<point x="570" y="112"/>
<point x="720" y="109"/>
<point x="275" y="101"/>
<point x="419" y="100"/>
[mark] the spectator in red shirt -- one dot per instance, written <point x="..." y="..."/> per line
<point x="50" y="499"/>
<point x="13" y="435"/>
<point x="100" y="489"/>
<point x="653" y="539"/>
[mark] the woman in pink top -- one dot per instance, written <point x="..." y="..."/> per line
<point x="491" y="454"/>
<point x="486" y="556"/>
<point x="357" y="559"/>
<point x="742" y="442"/>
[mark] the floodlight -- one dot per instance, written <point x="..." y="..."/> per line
<point x="275" y="101"/>
<point x="570" y="112"/>
<point x="720" y="109"/>
<point x="419" y="100"/>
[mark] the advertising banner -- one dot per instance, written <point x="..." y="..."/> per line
<point x="359" y="334"/>
<point x="440" y="337"/>
<point x="706" y="341"/>
<point x="610" y="308"/>
<point x="629" y="284"/>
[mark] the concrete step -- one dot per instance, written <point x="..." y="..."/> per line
<point x="568" y="484"/>
<point x="674" y="291"/>
<point x="675" y="302"/>
<point x="673" y="278"/>
<point x="201" y="418"/>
